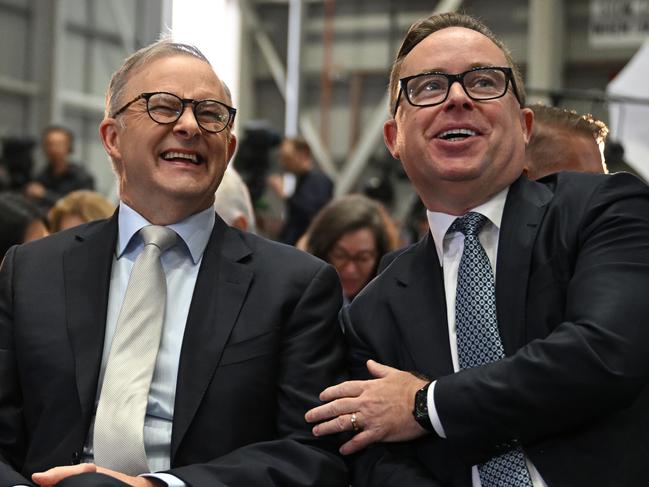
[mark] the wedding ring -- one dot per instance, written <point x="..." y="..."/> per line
<point x="354" y="422"/>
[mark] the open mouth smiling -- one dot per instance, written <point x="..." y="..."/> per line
<point x="176" y="156"/>
<point x="458" y="134"/>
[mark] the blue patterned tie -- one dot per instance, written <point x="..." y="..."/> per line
<point x="478" y="339"/>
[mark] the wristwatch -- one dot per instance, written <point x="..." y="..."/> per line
<point x="420" y="411"/>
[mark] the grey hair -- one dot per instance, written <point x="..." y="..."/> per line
<point x="232" y="199"/>
<point x="160" y="49"/>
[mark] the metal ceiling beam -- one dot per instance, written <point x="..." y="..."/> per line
<point x="372" y="135"/>
<point x="293" y="68"/>
<point x="14" y="86"/>
<point x="278" y="72"/>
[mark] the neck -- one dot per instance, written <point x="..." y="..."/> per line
<point x="58" y="165"/>
<point x="166" y="212"/>
<point x="455" y="204"/>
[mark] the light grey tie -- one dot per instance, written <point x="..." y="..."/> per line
<point x="119" y="422"/>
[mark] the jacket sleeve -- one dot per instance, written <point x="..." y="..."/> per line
<point x="12" y="432"/>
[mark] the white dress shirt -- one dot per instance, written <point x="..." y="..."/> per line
<point x="449" y="251"/>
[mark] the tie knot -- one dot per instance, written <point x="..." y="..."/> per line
<point x="469" y="224"/>
<point x="161" y="237"/>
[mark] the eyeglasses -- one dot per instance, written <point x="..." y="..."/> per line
<point x="164" y="108"/>
<point x="430" y="89"/>
<point x="339" y="257"/>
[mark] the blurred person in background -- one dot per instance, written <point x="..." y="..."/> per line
<point x="563" y="140"/>
<point x="352" y="233"/>
<point x="79" y="207"/>
<point x="304" y="189"/>
<point x="61" y="176"/>
<point x="232" y="202"/>
<point x="20" y="221"/>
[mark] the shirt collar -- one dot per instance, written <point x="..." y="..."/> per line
<point x="194" y="230"/>
<point x="439" y="223"/>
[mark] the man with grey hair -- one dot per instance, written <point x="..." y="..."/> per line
<point x="162" y="347"/>
<point x="232" y="202"/>
<point x="510" y="346"/>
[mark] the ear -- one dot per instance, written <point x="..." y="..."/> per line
<point x="390" y="136"/>
<point x="527" y="122"/>
<point x="231" y="143"/>
<point x="109" y="134"/>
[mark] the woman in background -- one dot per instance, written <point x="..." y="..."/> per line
<point x="20" y="221"/>
<point x="79" y="207"/>
<point x="352" y="233"/>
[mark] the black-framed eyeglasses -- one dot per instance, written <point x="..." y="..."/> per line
<point x="430" y="89"/>
<point x="164" y="108"/>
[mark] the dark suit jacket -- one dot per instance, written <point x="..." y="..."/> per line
<point x="572" y="281"/>
<point x="261" y="341"/>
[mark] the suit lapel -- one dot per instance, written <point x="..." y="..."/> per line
<point x="86" y="269"/>
<point x="219" y="293"/>
<point x="524" y="209"/>
<point x="419" y="306"/>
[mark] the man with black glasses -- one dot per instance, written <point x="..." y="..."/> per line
<point x="163" y="342"/>
<point x="510" y="346"/>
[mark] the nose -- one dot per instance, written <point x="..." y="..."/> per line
<point x="349" y="268"/>
<point x="187" y="125"/>
<point x="457" y="97"/>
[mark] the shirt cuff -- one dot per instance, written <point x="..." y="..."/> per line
<point x="167" y="478"/>
<point x="432" y="411"/>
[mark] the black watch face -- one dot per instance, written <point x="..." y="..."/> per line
<point x="421" y="408"/>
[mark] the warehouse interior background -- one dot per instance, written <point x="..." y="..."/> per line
<point x="314" y="67"/>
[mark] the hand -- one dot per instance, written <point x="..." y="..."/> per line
<point x="54" y="475"/>
<point x="35" y="190"/>
<point x="382" y="408"/>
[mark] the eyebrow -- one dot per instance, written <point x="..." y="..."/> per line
<point x="471" y="66"/>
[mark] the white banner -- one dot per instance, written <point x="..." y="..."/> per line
<point x="618" y="23"/>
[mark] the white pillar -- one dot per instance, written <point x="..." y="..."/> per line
<point x="545" y="47"/>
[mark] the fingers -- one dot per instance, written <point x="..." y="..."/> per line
<point x="358" y="442"/>
<point x="344" y="422"/>
<point x="56" y="474"/>
<point x="351" y="388"/>
<point x="331" y="409"/>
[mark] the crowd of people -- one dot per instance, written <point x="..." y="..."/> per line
<point x="168" y="342"/>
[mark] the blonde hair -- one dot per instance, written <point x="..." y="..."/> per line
<point x="85" y="204"/>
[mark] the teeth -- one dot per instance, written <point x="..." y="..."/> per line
<point x="455" y="133"/>
<point x="180" y="155"/>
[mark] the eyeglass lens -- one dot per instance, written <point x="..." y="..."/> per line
<point x="480" y="84"/>
<point x="364" y="258"/>
<point x="167" y="108"/>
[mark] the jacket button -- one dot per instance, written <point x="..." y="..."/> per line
<point x="76" y="458"/>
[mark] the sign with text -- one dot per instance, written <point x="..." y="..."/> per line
<point x="618" y="23"/>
